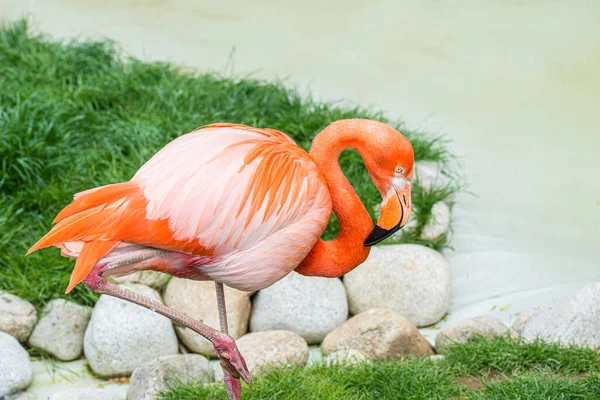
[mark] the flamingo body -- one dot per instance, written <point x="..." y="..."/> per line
<point x="230" y="203"/>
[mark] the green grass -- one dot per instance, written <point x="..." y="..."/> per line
<point x="75" y="115"/>
<point x="509" y="370"/>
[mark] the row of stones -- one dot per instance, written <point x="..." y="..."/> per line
<point x="373" y="335"/>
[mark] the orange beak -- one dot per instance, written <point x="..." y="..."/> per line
<point x="395" y="212"/>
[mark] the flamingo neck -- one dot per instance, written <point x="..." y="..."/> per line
<point x="336" y="257"/>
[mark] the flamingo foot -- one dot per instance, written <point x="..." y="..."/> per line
<point x="232" y="361"/>
<point x="233" y="386"/>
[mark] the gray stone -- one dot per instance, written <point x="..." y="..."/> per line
<point x="429" y="174"/>
<point x="483" y="325"/>
<point x="266" y="350"/>
<point x="154" y="279"/>
<point x="346" y="357"/>
<point x="85" y="394"/>
<point x="17" y="316"/>
<point x="217" y="371"/>
<point x="410" y="279"/>
<point x="16" y="370"/>
<point x="315" y="355"/>
<point x="121" y="335"/>
<point x="198" y="300"/>
<point x="380" y="334"/>
<point x="153" y="377"/>
<point x="61" y="328"/>
<point x="576" y="320"/>
<point x="438" y="223"/>
<point x="309" y="306"/>
<point x="522" y="318"/>
<point x="437" y="357"/>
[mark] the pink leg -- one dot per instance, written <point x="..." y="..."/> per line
<point x="224" y="344"/>
<point x="232" y="384"/>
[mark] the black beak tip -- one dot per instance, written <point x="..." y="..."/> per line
<point x="379" y="234"/>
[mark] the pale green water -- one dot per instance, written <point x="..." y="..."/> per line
<point x="514" y="84"/>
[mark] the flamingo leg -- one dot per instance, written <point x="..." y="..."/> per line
<point x="224" y="344"/>
<point x="232" y="384"/>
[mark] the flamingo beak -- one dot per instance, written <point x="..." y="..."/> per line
<point x="395" y="212"/>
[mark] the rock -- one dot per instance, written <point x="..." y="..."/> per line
<point x="315" y="355"/>
<point x="16" y="370"/>
<point x="217" y="371"/>
<point x="437" y="357"/>
<point x="121" y="335"/>
<point x="438" y="223"/>
<point x="85" y="393"/>
<point x="429" y="174"/>
<point x="309" y="306"/>
<point x="198" y="300"/>
<point x="484" y="325"/>
<point x="61" y="328"/>
<point x="572" y="321"/>
<point x="347" y="357"/>
<point x="153" y="377"/>
<point x="266" y="350"/>
<point x="154" y="279"/>
<point x="380" y="334"/>
<point x="17" y="316"/>
<point x="410" y="279"/>
<point x="522" y="318"/>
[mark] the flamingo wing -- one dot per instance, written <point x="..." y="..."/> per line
<point x="216" y="191"/>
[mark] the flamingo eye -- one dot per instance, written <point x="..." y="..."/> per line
<point x="399" y="170"/>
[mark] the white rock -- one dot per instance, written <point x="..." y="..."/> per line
<point x="484" y="325"/>
<point x="522" y="318"/>
<point x="17" y="316"/>
<point x="380" y="334"/>
<point x="429" y="174"/>
<point x="315" y="355"/>
<point x="61" y="328"/>
<point x="437" y="357"/>
<point x="217" y="371"/>
<point x="16" y="370"/>
<point x="346" y="357"/>
<point x="154" y="279"/>
<point x="309" y="306"/>
<point x="121" y="335"/>
<point x="438" y="223"/>
<point x="153" y="377"/>
<point x="85" y="394"/>
<point x="266" y="350"/>
<point x="198" y="300"/>
<point x="576" y="320"/>
<point x="410" y="279"/>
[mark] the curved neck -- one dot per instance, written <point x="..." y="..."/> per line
<point x="344" y="253"/>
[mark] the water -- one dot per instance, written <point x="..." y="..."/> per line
<point x="514" y="84"/>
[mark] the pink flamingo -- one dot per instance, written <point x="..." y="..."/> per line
<point x="238" y="205"/>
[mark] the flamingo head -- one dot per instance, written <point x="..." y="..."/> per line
<point x="389" y="159"/>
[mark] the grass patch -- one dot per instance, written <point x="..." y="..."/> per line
<point x="505" y="355"/>
<point x="511" y="370"/>
<point x="75" y="115"/>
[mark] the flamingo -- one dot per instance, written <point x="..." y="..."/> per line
<point x="240" y="206"/>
